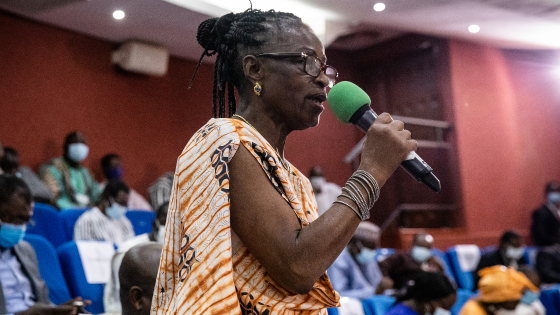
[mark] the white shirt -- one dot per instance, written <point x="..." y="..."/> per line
<point x="536" y="308"/>
<point x="329" y="193"/>
<point x="93" y="225"/>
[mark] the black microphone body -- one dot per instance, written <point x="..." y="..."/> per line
<point x="364" y="117"/>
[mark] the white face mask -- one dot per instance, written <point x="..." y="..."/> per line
<point x="78" y="152"/>
<point x="515" y="252"/>
<point x="441" y="311"/>
<point x="421" y="254"/>
<point x="317" y="182"/>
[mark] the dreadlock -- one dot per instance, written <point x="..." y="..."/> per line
<point x="231" y="37"/>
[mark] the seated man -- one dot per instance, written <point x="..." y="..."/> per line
<point x="160" y="191"/>
<point x="355" y="273"/>
<point x="137" y="276"/>
<point x="112" y="167"/>
<point x="70" y="182"/>
<point x="107" y="221"/>
<point x="509" y="253"/>
<point x="10" y="164"/>
<point x="111" y="299"/>
<point x="23" y="291"/>
<point x="325" y="192"/>
<point x="548" y="262"/>
<point x="546" y="219"/>
<point x="402" y="267"/>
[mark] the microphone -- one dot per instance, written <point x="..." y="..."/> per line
<point x="351" y="104"/>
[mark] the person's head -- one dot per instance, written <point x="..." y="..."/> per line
<point x="15" y="210"/>
<point x="317" y="178"/>
<point x="114" y="199"/>
<point x="422" y="244"/>
<point x="75" y="147"/>
<point x="552" y="193"/>
<point x="363" y="243"/>
<point x="10" y="162"/>
<point x="290" y="87"/>
<point x="158" y="225"/>
<point x="112" y="167"/>
<point x="501" y="289"/>
<point x="511" y="246"/>
<point x="431" y="293"/>
<point x="137" y="277"/>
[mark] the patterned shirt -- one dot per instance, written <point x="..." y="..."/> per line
<point x="93" y="225"/>
<point x="200" y="271"/>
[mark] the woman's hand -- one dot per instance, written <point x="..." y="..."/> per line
<point x="387" y="145"/>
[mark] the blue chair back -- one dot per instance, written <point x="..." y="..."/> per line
<point x="550" y="298"/>
<point x="442" y="257"/>
<point x="378" y="304"/>
<point x="76" y="278"/>
<point x="470" y="256"/>
<point x="50" y="268"/>
<point x="382" y="253"/>
<point x="68" y="219"/>
<point x="332" y="311"/>
<point x="47" y="224"/>
<point x="462" y="297"/>
<point x="531" y="255"/>
<point x="141" y="220"/>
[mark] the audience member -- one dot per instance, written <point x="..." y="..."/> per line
<point x="403" y="267"/>
<point x="509" y="253"/>
<point x="23" y="291"/>
<point x="429" y="293"/>
<point x="325" y="192"/>
<point x="137" y="277"/>
<point x="107" y="221"/>
<point x="111" y="298"/>
<point x="546" y="219"/>
<point x="70" y="182"/>
<point x="10" y="164"/>
<point x="500" y="291"/>
<point x="160" y="191"/>
<point x="355" y="272"/>
<point x="548" y="262"/>
<point x="530" y="303"/>
<point x="112" y="167"/>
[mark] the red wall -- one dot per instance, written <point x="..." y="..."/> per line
<point x="54" y="81"/>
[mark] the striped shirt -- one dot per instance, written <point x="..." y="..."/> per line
<point x="204" y="267"/>
<point x="93" y="225"/>
<point x="160" y="191"/>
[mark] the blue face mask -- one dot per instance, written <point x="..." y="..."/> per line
<point x="114" y="173"/>
<point x="78" y="152"/>
<point x="529" y="297"/>
<point x="365" y="255"/>
<point x="115" y="211"/>
<point x="420" y="254"/>
<point x="554" y="197"/>
<point x="11" y="234"/>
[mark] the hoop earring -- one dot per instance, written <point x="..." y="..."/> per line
<point x="258" y="89"/>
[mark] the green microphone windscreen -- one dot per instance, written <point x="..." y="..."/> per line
<point x="345" y="98"/>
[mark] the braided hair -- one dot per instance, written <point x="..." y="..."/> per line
<point x="232" y="37"/>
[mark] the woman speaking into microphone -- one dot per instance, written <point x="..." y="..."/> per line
<point x="242" y="234"/>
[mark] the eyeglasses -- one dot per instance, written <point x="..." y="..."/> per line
<point x="312" y="66"/>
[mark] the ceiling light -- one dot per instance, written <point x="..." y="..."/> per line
<point x="474" y="28"/>
<point x="379" y="6"/>
<point x="118" y="14"/>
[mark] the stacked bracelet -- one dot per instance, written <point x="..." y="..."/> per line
<point x="352" y="192"/>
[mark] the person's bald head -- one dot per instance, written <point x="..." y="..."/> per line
<point x="423" y="239"/>
<point x="137" y="277"/>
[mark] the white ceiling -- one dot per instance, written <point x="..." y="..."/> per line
<point x="525" y="24"/>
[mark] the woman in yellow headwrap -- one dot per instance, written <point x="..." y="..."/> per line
<point x="501" y="290"/>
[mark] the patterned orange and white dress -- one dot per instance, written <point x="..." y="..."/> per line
<point x="204" y="267"/>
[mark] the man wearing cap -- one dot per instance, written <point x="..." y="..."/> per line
<point x="355" y="272"/>
<point x="501" y="290"/>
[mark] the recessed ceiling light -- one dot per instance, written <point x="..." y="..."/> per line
<point x="474" y="28"/>
<point x="379" y="6"/>
<point x="118" y="14"/>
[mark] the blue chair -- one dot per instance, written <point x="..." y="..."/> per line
<point x="462" y="297"/>
<point x="141" y="220"/>
<point x="442" y="257"/>
<point x="76" y="278"/>
<point x="332" y="311"/>
<point x="382" y="253"/>
<point x="378" y="304"/>
<point x="47" y="224"/>
<point x="463" y="274"/>
<point x="50" y="269"/>
<point x="68" y="219"/>
<point x="550" y="298"/>
<point x="531" y="255"/>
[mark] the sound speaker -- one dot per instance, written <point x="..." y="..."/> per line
<point x="139" y="57"/>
